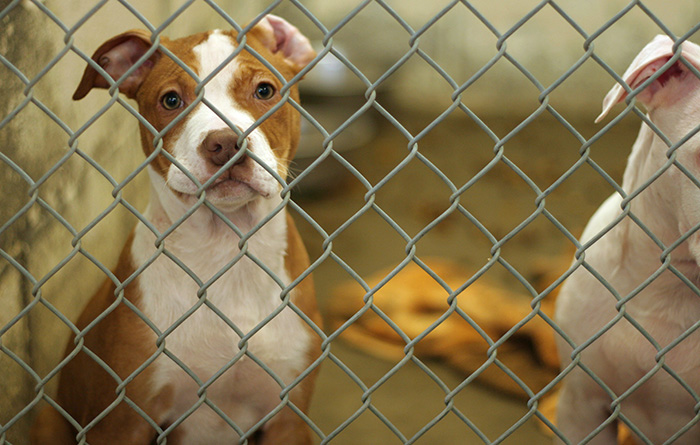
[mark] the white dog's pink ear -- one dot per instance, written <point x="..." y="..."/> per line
<point x="657" y="53"/>
<point x="279" y="36"/>
<point x="116" y="56"/>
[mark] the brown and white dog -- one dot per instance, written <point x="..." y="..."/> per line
<point x="204" y="288"/>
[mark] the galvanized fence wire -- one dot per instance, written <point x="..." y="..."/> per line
<point x="370" y="205"/>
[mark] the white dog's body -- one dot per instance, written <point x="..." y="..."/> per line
<point x="630" y="262"/>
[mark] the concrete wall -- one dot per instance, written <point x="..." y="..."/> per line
<point x="38" y="242"/>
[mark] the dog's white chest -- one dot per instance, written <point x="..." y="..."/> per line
<point x="233" y="349"/>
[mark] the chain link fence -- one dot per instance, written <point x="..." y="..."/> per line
<point x="411" y="148"/>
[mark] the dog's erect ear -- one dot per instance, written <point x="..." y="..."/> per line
<point x="668" y="87"/>
<point x="279" y="36"/>
<point x="116" y="56"/>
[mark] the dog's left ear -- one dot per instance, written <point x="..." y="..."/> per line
<point x="116" y="56"/>
<point x="668" y="87"/>
<point x="279" y="36"/>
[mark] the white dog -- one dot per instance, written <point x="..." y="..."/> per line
<point x="641" y="294"/>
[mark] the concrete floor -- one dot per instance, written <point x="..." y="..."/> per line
<point x="501" y="200"/>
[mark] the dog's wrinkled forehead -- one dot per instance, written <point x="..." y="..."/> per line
<point x="212" y="53"/>
<point x="226" y="73"/>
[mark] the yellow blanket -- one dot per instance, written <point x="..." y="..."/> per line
<point x="414" y="301"/>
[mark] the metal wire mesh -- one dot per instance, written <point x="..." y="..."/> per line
<point x="455" y="206"/>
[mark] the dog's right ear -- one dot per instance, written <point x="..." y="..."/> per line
<point x="116" y="56"/>
<point x="668" y="87"/>
<point x="280" y="37"/>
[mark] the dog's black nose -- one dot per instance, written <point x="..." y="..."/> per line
<point x="219" y="146"/>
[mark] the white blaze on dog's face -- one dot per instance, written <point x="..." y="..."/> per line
<point x="203" y="158"/>
<point x="241" y="90"/>
<point x="673" y="104"/>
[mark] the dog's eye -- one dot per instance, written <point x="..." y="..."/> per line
<point x="171" y="101"/>
<point x="264" y="91"/>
